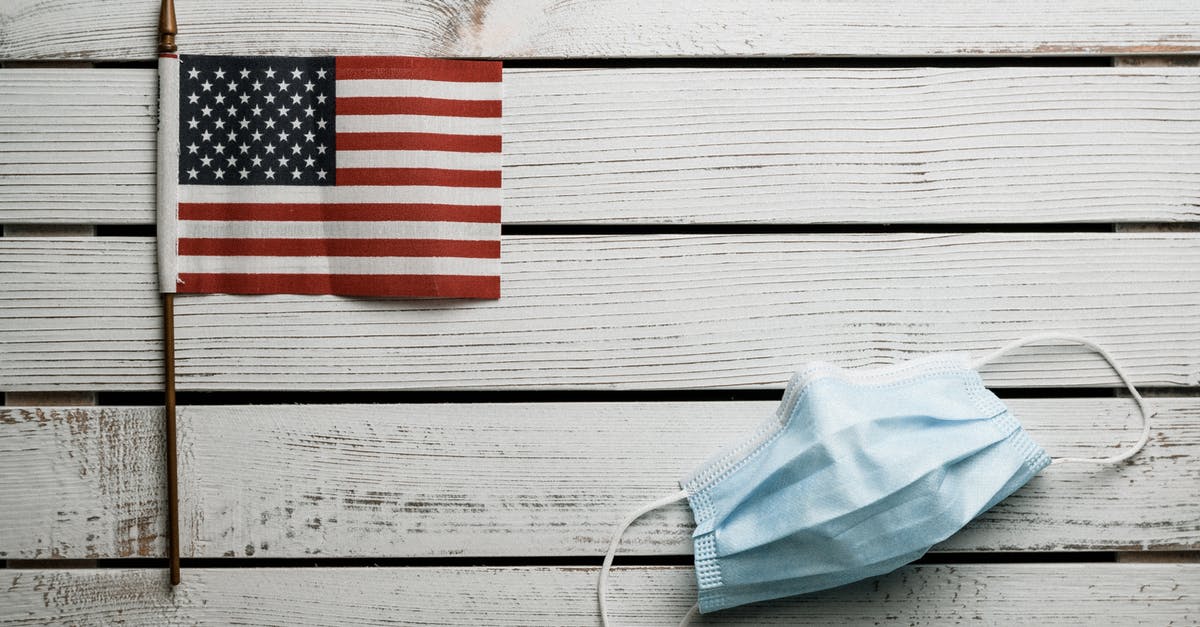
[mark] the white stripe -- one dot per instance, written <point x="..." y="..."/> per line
<point x="417" y="124"/>
<point x="339" y="265"/>
<point x="392" y="229"/>
<point x="418" y="89"/>
<point x="418" y="159"/>
<point x="366" y="194"/>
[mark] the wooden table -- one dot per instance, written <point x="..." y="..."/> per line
<point x="735" y="189"/>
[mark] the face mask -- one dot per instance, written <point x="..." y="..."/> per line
<point x="858" y="473"/>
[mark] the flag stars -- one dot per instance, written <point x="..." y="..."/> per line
<point x="258" y="125"/>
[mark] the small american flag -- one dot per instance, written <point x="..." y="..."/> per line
<point x="370" y="176"/>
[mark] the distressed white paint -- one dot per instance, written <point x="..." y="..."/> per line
<point x="509" y="479"/>
<point x="996" y="594"/>
<point x="695" y="145"/>
<point x="77" y="146"/>
<point x="124" y="29"/>
<point x="624" y="312"/>
<point x="81" y="482"/>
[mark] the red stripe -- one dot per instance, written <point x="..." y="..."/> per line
<point x="396" y="105"/>
<point x="418" y="141"/>
<point x="418" y="69"/>
<point x="338" y="212"/>
<point x="418" y="176"/>
<point x="281" y="247"/>
<point x="394" y="285"/>
<point x="169" y="55"/>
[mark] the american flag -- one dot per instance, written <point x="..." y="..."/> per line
<point x="372" y="176"/>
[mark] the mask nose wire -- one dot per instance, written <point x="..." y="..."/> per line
<point x="1146" y="410"/>
<point x="602" y="583"/>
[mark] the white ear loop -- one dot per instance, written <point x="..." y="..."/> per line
<point x="602" y="584"/>
<point x="1146" y="410"/>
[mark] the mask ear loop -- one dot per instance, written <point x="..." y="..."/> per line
<point x="1146" y="410"/>
<point x="602" y="583"/>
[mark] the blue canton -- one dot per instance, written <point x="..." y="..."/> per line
<point x="256" y="120"/>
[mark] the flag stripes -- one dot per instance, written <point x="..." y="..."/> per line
<point x="443" y="285"/>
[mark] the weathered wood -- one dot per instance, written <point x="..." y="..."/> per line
<point x="81" y="482"/>
<point x="79" y="310"/>
<point x="509" y="479"/>
<point x="126" y="29"/>
<point x="998" y="594"/>
<point x="695" y="145"/>
<point x="624" y="312"/>
<point x="77" y="146"/>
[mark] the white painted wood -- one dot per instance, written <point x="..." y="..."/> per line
<point x="124" y="29"/>
<point x="81" y="482"/>
<point x="624" y="312"/>
<point x="79" y="314"/>
<point x="694" y="145"/>
<point x="509" y="479"/>
<point x="77" y="146"/>
<point x="996" y="594"/>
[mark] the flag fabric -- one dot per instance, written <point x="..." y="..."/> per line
<point x="367" y="176"/>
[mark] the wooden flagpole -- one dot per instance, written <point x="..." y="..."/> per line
<point x="167" y="30"/>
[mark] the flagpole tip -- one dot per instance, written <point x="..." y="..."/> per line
<point x="166" y="27"/>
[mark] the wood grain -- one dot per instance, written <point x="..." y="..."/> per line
<point x="696" y="145"/>
<point x="510" y="479"/>
<point x="125" y="29"/>
<point x="77" y="146"/>
<point x="998" y="594"/>
<point x="624" y="312"/>
<point x="82" y="482"/>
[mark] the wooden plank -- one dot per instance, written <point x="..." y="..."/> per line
<point x="1000" y="594"/>
<point x="79" y="314"/>
<point x="697" y="145"/>
<point x="77" y="146"/>
<point x="124" y="29"/>
<point x="624" y="312"/>
<point x="510" y="479"/>
<point x="81" y="482"/>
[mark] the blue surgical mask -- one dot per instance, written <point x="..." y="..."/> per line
<point x="858" y="473"/>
